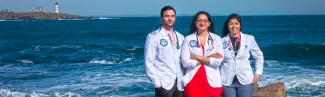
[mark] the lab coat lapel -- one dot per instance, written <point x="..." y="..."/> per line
<point x="243" y="45"/>
<point x="226" y="42"/>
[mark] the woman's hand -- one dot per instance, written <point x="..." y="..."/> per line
<point x="216" y="55"/>
<point x="201" y="59"/>
<point x="198" y="63"/>
<point x="256" y="78"/>
<point x="193" y="57"/>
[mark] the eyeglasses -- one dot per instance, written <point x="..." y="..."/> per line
<point x="202" y="21"/>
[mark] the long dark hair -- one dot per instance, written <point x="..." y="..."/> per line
<point x="193" y="27"/>
<point x="225" y="29"/>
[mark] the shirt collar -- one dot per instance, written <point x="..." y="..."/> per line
<point x="166" y="31"/>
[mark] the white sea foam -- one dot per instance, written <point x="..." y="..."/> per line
<point x="294" y="67"/>
<point x="68" y="94"/>
<point x="25" y="61"/>
<point x="11" y="93"/>
<point x="106" y="18"/>
<point x="117" y="55"/>
<point x="70" y="19"/>
<point x="99" y="51"/>
<point x="114" y="89"/>
<point x="57" y="47"/>
<point x="38" y="47"/>
<point x="298" y="79"/>
<point x="271" y="63"/>
<point x="8" y="66"/>
<point x="95" y="61"/>
<point x="320" y="83"/>
<point x="134" y="48"/>
<point x="65" y="46"/>
<point x="11" y="20"/>
<point x="92" y="81"/>
<point x="126" y="60"/>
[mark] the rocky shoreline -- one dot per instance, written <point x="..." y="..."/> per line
<point x="270" y="90"/>
<point x="39" y="16"/>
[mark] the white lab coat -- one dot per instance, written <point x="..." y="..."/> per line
<point x="162" y="61"/>
<point x="212" y="69"/>
<point x="240" y="65"/>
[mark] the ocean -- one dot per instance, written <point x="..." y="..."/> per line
<point x="87" y="58"/>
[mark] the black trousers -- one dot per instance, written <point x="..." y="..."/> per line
<point x="174" y="92"/>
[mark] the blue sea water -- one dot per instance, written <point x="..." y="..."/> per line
<point x="87" y="58"/>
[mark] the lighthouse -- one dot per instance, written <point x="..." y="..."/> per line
<point x="56" y="10"/>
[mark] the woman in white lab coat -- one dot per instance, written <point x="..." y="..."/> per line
<point x="201" y="57"/>
<point x="236" y="71"/>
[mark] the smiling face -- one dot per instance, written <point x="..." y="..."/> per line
<point x="168" y="18"/>
<point x="234" y="26"/>
<point x="202" y="22"/>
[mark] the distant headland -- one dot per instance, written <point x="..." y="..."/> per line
<point x="39" y="14"/>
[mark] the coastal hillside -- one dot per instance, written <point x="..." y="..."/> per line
<point x="38" y="16"/>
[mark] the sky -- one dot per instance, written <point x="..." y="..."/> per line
<point x="183" y="7"/>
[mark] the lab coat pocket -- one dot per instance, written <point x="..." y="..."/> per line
<point x="163" y="52"/>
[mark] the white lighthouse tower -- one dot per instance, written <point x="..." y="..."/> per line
<point x="56" y="10"/>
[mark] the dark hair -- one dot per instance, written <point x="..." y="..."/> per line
<point x="193" y="27"/>
<point x="165" y="9"/>
<point x="225" y="29"/>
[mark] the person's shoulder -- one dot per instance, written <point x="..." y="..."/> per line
<point x="179" y="35"/>
<point x="190" y="36"/>
<point x="153" y="35"/>
<point x="224" y="37"/>
<point x="248" y="36"/>
<point x="155" y="32"/>
<point x="215" y="35"/>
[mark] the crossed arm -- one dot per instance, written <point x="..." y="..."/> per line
<point x="191" y="60"/>
<point x="204" y="59"/>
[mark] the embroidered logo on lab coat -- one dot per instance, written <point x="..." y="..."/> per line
<point x="225" y="45"/>
<point x="193" y="43"/>
<point x="163" y="42"/>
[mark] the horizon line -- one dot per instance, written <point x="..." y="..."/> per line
<point x="185" y="15"/>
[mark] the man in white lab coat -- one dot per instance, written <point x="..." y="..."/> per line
<point x="162" y="56"/>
